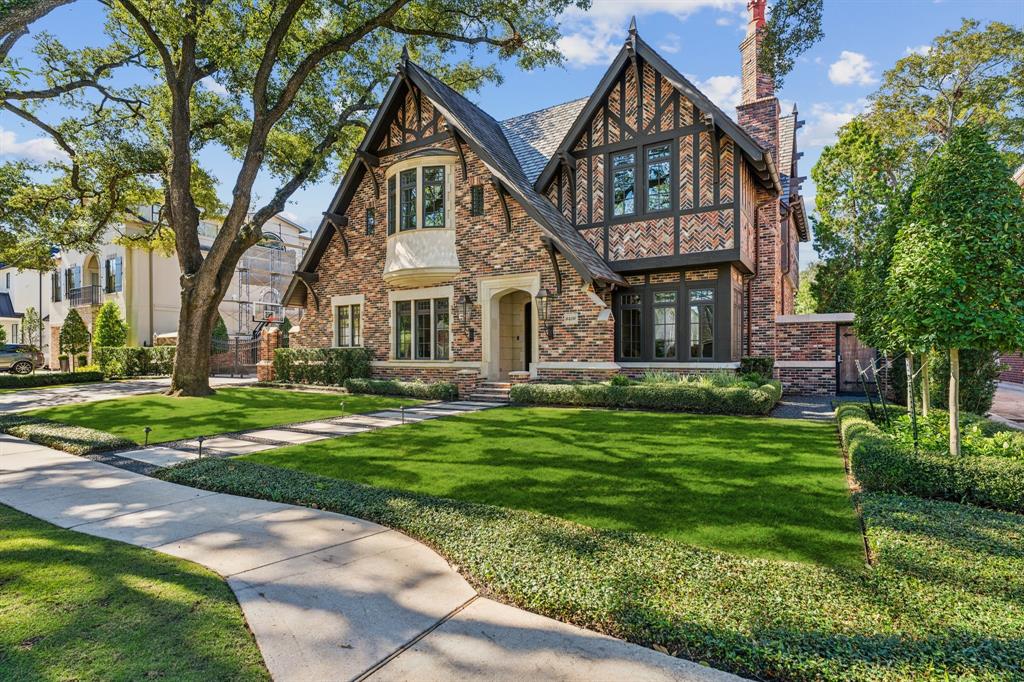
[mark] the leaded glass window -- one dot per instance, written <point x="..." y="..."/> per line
<point x="433" y="196"/>
<point x="407" y="200"/>
<point x="659" y="178"/>
<point x="624" y="184"/>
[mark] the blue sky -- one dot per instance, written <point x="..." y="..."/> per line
<point x="829" y="85"/>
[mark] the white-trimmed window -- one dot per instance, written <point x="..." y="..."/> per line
<point x="419" y="194"/>
<point x="348" y="320"/>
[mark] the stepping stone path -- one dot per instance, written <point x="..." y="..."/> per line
<point x="258" y="440"/>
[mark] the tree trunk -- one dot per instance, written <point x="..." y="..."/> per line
<point x="926" y="387"/>
<point x="908" y="361"/>
<point x="954" y="402"/>
<point x="191" y="374"/>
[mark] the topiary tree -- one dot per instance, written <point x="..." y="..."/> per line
<point x="955" y="279"/>
<point x="74" y="336"/>
<point x="109" y="329"/>
<point x="3" y="335"/>
<point x="219" y="337"/>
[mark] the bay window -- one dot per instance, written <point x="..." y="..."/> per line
<point x="433" y="196"/>
<point x="417" y="197"/>
<point x="407" y="200"/>
<point x="422" y="329"/>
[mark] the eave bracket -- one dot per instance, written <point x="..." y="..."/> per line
<point x="500" y="189"/>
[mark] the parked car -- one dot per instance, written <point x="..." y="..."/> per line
<point x="19" y="358"/>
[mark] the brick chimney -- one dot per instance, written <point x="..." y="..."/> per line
<point x="756" y="85"/>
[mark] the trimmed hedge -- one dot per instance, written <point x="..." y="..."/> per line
<point x="941" y="602"/>
<point x="753" y="364"/>
<point x="135" y="361"/>
<point x="676" y="396"/>
<point x="439" y="390"/>
<point x="327" y="366"/>
<point x="881" y="463"/>
<point x="78" y="440"/>
<point x="51" y="379"/>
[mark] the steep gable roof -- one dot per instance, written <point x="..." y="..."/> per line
<point x="535" y="136"/>
<point x="759" y="158"/>
<point x="486" y="138"/>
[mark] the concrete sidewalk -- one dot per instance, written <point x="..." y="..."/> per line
<point x="34" y="398"/>
<point x="328" y="596"/>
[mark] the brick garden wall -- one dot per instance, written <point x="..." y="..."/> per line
<point x="1013" y="368"/>
<point x="805" y="354"/>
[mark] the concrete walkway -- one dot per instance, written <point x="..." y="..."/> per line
<point x="32" y="399"/>
<point x="328" y="596"/>
<point x="257" y="440"/>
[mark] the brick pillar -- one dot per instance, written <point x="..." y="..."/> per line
<point x="467" y="380"/>
<point x="270" y="340"/>
<point x="54" y="347"/>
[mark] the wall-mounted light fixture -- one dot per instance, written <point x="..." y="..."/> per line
<point x="465" y="310"/>
<point x="544" y="310"/>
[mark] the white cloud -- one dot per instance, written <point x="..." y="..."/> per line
<point x="825" y="121"/>
<point x="920" y="49"/>
<point x="852" y="68"/>
<point x="214" y="87"/>
<point x="724" y="91"/>
<point x="723" y="21"/>
<point x="594" y="36"/>
<point x="670" y="44"/>
<point x="38" y="149"/>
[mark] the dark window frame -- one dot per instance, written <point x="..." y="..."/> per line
<point x="476" y="200"/>
<point x="371" y="221"/>
<point x="639" y="149"/>
<point x="432" y="184"/>
<point x="701" y="307"/>
<point x="399" y="315"/>
<point x="408" y="201"/>
<point x="613" y="170"/>
<point x="410" y="310"/>
<point x="353" y="316"/>
<point x="671" y="177"/>
<point x="392" y="206"/>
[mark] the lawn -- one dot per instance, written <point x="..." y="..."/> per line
<point x="75" y="607"/>
<point x="229" y="409"/>
<point x="759" y="487"/>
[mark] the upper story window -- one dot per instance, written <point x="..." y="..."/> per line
<point x="113" y="274"/>
<point x="418" y="197"/>
<point x="641" y="180"/>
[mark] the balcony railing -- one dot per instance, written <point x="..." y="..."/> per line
<point x="86" y="296"/>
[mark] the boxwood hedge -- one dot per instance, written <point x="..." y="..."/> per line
<point x="882" y="463"/>
<point x="48" y="379"/>
<point x="135" y="361"/>
<point x="942" y="600"/>
<point x="439" y="390"/>
<point x="327" y="366"/>
<point x="78" y="440"/>
<point x="678" y="396"/>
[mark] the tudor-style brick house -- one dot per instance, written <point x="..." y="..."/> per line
<point x="640" y="228"/>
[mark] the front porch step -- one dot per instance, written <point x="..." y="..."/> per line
<point x="489" y="397"/>
<point x="504" y="385"/>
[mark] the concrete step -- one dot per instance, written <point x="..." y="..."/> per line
<point x="496" y="384"/>
<point x="493" y="391"/>
<point x="489" y="397"/>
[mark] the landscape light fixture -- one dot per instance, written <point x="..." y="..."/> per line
<point x="465" y="309"/>
<point x="147" y="430"/>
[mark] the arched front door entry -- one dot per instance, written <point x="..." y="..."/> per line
<point x="514" y="331"/>
<point x="508" y="324"/>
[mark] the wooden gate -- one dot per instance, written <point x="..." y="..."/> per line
<point x="850" y="351"/>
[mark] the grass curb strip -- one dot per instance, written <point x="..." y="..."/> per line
<point x="943" y="601"/>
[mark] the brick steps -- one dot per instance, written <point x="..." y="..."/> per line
<point x="492" y="392"/>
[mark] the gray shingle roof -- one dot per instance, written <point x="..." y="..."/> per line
<point x="6" y="307"/>
<point x="535" y="136"/>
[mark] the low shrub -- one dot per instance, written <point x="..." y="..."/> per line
<point x="880" y="462"/>
<point x="958" y="572"/>
<point x="51" y="379"/>
<point x="78" y="440"/>
<point x="762" y="366"/>
<point x="683" y="396"/>
<point x="439" y="390"/>
<point x="326" y="366"/>
<point x="135" y="361"/>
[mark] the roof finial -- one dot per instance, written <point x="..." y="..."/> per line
<point x="632" y="26"/>
<point x="405" y="53"/>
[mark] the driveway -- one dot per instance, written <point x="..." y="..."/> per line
<point x="1008" y="406"/>
<point x="30" y="399"/>
<point x="327" y="596"/>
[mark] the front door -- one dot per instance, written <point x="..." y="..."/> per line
<point x="851" y="350"/>
<point x="512" y="333"/>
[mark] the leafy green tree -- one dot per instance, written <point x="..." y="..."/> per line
<point x="793" y="26"/>
<point x="109" y="328"/>
<point x="968" y="76"/>
<point x="979" y="378"/>
<point x="74" y="336"/>
<point x="3" y="335"/>
<point x="31" y="328"/>
<point x="805" y="301"/>
<point x="219" y="337"/>
<point x="956" y="274"/>
<point x="301" y="78"/>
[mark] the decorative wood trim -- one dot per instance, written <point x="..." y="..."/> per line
<point x="500" y="189"/>
<point x="554" y="265"/>
<point x="373" y="176"/>
<point x="458" y="148"/>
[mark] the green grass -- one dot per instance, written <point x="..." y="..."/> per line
<point x="74" y="607"/>
<point x="229" y="409"/>
<point x="759" y="487"/>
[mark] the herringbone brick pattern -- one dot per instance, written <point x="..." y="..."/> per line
<point x="597" y="179"/>
<point x="632" y="109"/>
<point x="707" y="231"/>
<point x="667" y="113"/>
<point x="597" y="135"/>
<point x="725" y="166"/>
<point x="595" y="235"/>
<point x="686" y="172"/>
<point x="582" y="175"/>
<point x="647" y="117"/>
<point x="706" y="170"/>
<point x="566" y="179"/>
<point x="641" y="239"/>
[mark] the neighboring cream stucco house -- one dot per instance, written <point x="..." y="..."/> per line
<point x="24" y="289"/>
<point x="145" y="284"/>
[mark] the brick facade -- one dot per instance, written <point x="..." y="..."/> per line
<point x="1013" y="367"/>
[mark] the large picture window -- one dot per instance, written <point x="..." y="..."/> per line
<point x="624" y="184"/>
<point x="348" y="325"/>
<point x="702" y="324"/>
<point x="422" y="329"/>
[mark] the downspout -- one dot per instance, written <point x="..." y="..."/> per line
<point x="149" y="279"/>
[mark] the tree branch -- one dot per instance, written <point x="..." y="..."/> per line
<point x="154" y="37"/>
